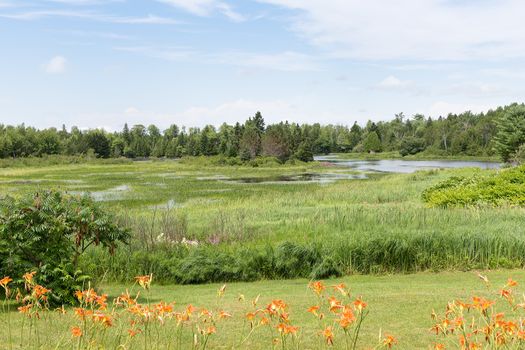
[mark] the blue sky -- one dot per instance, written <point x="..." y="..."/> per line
<point x="100" y="63"/>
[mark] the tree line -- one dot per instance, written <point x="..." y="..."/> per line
<point x="467" y="133"/>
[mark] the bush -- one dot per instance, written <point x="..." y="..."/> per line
<point x="411" y="145"/>
<point x="504" y="187"/>
<point x="48" y="232"/>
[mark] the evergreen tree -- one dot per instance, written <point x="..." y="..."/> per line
<point x="510" y="132"/>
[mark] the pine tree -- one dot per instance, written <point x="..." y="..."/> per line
<point x="510" y="132"/>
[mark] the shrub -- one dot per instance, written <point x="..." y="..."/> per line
<point x="49" y="231"/>
<point x="411" y="145"/>
<point x="505" y="187"/>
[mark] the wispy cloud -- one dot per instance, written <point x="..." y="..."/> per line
<point x="103" y="35"/>
<point x="57" y="65"/>
<point x="88" y="15"/>
<point x="407" y="29"/>
<point x="206" y="8"/>
<point x="393" y="83"/>
<point x="85" y="2"/>
<point x="164" y="53"/>
<point x="287" y="61"/>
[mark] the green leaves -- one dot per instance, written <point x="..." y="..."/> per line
<point x="49" y="231"/>
<point x="511" y="132"/>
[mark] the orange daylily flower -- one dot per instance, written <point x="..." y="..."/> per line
<point x="341" y="288"/>
<point x="28" y="277"/>
<point x="276" y="306"/>
<point x="318" y="287"/>
<point x="359" y="304"/>
<point x="5" y="281"/>
<point x="389" y="341"/>
<point x="103" y="319"/>
<point x="76" y="332"/>
<point x="328" y="334"/>
<point x="190" y="309"/>
<point x="144" y="281"/>
<point x="133" y="332"/>
<point x="291" y="330"/>
<point x="25" y="309"/>
<point x="506" y="293"/>
<point x="511" y="283"/>
<point x="285" y="329"/>
<point x="313" y="309"/>
<point x="224" y="314"/>
<point x="40" y="292"/>
<point x="481" y="303"/>
<point x="335" y="305"/>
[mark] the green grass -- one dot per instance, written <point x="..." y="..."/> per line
<point x="377" y="225"/>
<point x="399" y="304"/>
<point x="425" y="155"/>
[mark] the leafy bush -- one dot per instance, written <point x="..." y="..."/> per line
<point x="411" y="145"/>
<point x="48" y="232"/>
<point x="504" y="187"/>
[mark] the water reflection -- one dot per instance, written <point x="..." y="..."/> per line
<point x="404" y="166"/>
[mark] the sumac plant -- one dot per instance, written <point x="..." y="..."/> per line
<point x="48" y="232"/>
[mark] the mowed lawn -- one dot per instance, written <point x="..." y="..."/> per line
<point x="400" y="305"/>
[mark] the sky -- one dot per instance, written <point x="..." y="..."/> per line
<point x="101" y="63"/>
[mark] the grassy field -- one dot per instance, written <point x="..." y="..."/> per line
<point x="243" y="229"/>
<point x="400" y="305"/>
<point x="199" y="221"/>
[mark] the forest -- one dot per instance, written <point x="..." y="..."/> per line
<point x="467" y="134"/>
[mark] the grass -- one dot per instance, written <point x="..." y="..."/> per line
<point x="425" y="155"/>
<point x="239" y="231"/>
<point x="375" y="225"/>
<point x="399" y="305"/>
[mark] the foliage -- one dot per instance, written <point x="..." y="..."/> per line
<point x="411" y="145"/>
<point x="48" y="232"/>
<point x="504" y="187"/>
<point x="455" y="134"/>
<point x="372" y="143"/>
<point x="511" y="132"/>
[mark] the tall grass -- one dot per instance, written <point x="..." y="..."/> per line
<point x="216" y="230"/>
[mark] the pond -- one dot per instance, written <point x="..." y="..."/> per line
<point x="404" y="166"/>
<point x="295" y="178"/>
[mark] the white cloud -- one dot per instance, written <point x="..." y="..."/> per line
<point x="85" y="2"/>
<point x="474" y="89"/>
<point x="87" y="15"/>
<point x="56" y="65"/>
<point x="198" y="116"/>
<point x="391" y="82"/>
<point x="408" y="29"/>
<point x="206" y="8"/>
<point x="287" y="61"/>
<point x="165" y="53"/>
<point x="5" y="4"/>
